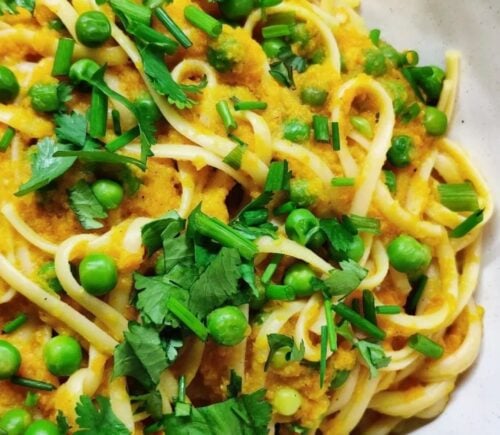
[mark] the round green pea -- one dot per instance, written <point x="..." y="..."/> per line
<point x="273" y="46"/>
<point x="354" y="252"/>
<point x="316" y="240"/>
<point x="92" y="28"/>
<point x="280" y="357"/>
<point x="10" y="359"/>
<point x="286" y="401"/>
<point x="62" y="355"/>
<point x="435" y="121"/>
<point x="300" y="34"/>
<point x="42" y="427"/>
<point x="108" y="192"/>
<point x="313" y="96"/>
<point x="15" y="421"/>
<point x="83" y="70"/>
<point x="375" y="64"/>
<point x="227" y="325"/>
<point x="235" y="9"/>
<point x="399" y="153"/>
<point x="44" y="97"/>
<point x="146" y="105"/>
<point x="98" y="274"/>
<point x="300" y="194"/>
<point x="300" y="224"/>
<point x="9" y="86"/>
<point x="296" y="130"/>
<point x="300" y="276"/>
<point x="408" y="255"/>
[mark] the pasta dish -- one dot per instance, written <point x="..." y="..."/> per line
<point x="229" y="217"/>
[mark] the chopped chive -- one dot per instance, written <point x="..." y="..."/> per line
<point x="188" y="318"/>
<point x="415" y="295"/>
<point x="362" y="125"/>
<point x="411" y="57"/>
<point x="343" y="182"/>
<point x="276" y="31"/>
<point x="335" y="136"/>
<point x="98" y="113"/>
<point x="468" y="224"/>
<point x="203" y="21"/>
<point x="375" y="36"/>
<point x="285" y="208"/>
<point x="320" y="128"/>
<point x="15" y="323"/>
<point x="219" y="231"/>
<point x="458" y="197"/>
<point x="250" y="105"/>
<point x="123" y="140"/>
<point x="32" y="383"/>
<point x="225" y="114"/>
<point x="172" y="27"/>
<point x="63" y="57"/>
<point x="269" y="3"/>
<point x="31" y="399"/>
<point x="271" y="268"/>
<point x="117" y="126"/>
<point x="278" y="177"/>
<point x="148" y="35"/>
<point x="255" y="217"/>
<point x="183" y="409"/>
<point x="332" y="335"/>
<point x="356" y="305"/>
<point x="425" y="346"/>
<point x="340" y="378"/>
<point x="280" y="292"/>
<point x="407" y="73"/>
<point x="369" y="307"/>
<point x="358" y="321"/>
<point x="56" y="24"/>
<point x="235" y="156"/>
<point x="133" y="11"/>
<point x="388" y="309"/>
<point x="390" y="181"/>
<point x="6" y="139"/>
<point x="365" y="224"/>
<point x="410" y="113"/>
<point x="323" y="350"/>
<point x="181" y="395"/>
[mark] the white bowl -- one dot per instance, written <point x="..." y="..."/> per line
<point x="431" y="27"/>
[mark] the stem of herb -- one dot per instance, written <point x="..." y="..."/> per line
<point x="172" y="27"/>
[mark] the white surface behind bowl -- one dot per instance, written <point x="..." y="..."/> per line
<point x="431" y="27"/>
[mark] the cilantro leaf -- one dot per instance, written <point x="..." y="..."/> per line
<point x="288" y="61"/>
<point x="154" y="292"/>
<point x="161" y="79"/>
<point x="235" y="383"/>
<point x="151" y="403"/>
<point x="86" y="206"/>
<point x="246" y="415"/>
<point x="339" y="236"/>
<point x="152" y="232"/>
<point x="217" y="284"/>
<point x="100" y="156"/>
<point x="278" y="341"/>
<point x="254" y="232"/>
<point x="98" y="419"/>
<point x="342" y="282"/>
<point x="46" y="166"/>
<point x="62" y="423"/>
<point x="374" y="356"/>
<point x="10" y="6"/>
<point x="140" y="356"/>
<point x="178" y="251"/>
<point x="171" y="347"/>
<point x="71" y="128"/>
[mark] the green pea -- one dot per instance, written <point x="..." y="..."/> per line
<point x="407" y="255"/>
<point x="83" y="70"/>
<point x="399" y="153"/>
<point x="300" y="34"/>
<point x="10" y="360"/>
<point x="296" y="130"/>
<point x="435" y="121"/>
<point x="98" y="274"/>
<point x="15" y="421"/>
<point x="146" y="105"/>
<point x="316" y="240"/>
<point x="313" y="96"/>
<point x="375" y="64"/>
<point x="286" y="401"/>
<point x="318" y="57"/>
<point x="300" y="276"/>
<point x="354" y="252"/>
<point x="273" y="46"/>
<point x="42" y="427"/>
<point x="9" y="86"/>
<point x="235" y="9"/>
<point x="44" y="97"/>
<point x="362" y="125"/>
<point x="280" y="357"/>
<point x="108" y="192"/>
<point x="48" y="277"/>
<point x="300" y="193"/>
<point x="62" y="355"/>
<point x="92" y="28"/>
<point x="300" y="225"/>
<point x="227" y="325"/>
